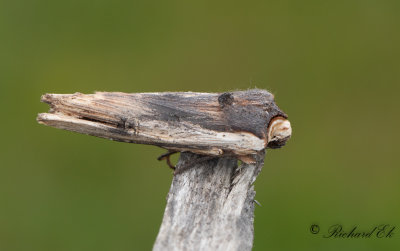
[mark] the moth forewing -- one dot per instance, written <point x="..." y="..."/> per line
<point x="205" y="123"/>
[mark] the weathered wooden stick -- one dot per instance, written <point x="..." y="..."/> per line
<point x="211" y="201"/>
<point x="210" y="206"/>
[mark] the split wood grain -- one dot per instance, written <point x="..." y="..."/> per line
<point x="210" y="206"/>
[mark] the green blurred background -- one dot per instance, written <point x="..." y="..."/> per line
<point x="334" y="67"/>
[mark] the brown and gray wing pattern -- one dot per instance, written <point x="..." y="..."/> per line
<point x="206" y="123"/>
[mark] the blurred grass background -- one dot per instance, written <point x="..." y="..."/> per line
<point x="334" y="69"/>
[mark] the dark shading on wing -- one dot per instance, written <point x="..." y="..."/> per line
<point x="247" y="111"/>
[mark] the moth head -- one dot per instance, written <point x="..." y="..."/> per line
<point x="278" y="132"/>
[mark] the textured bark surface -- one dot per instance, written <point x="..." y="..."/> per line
<point x="210" y="205"/>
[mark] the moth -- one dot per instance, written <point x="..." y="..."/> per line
<point x="239" y="123"/>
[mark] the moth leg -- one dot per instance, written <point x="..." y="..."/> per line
<point x="166" y="156"/>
